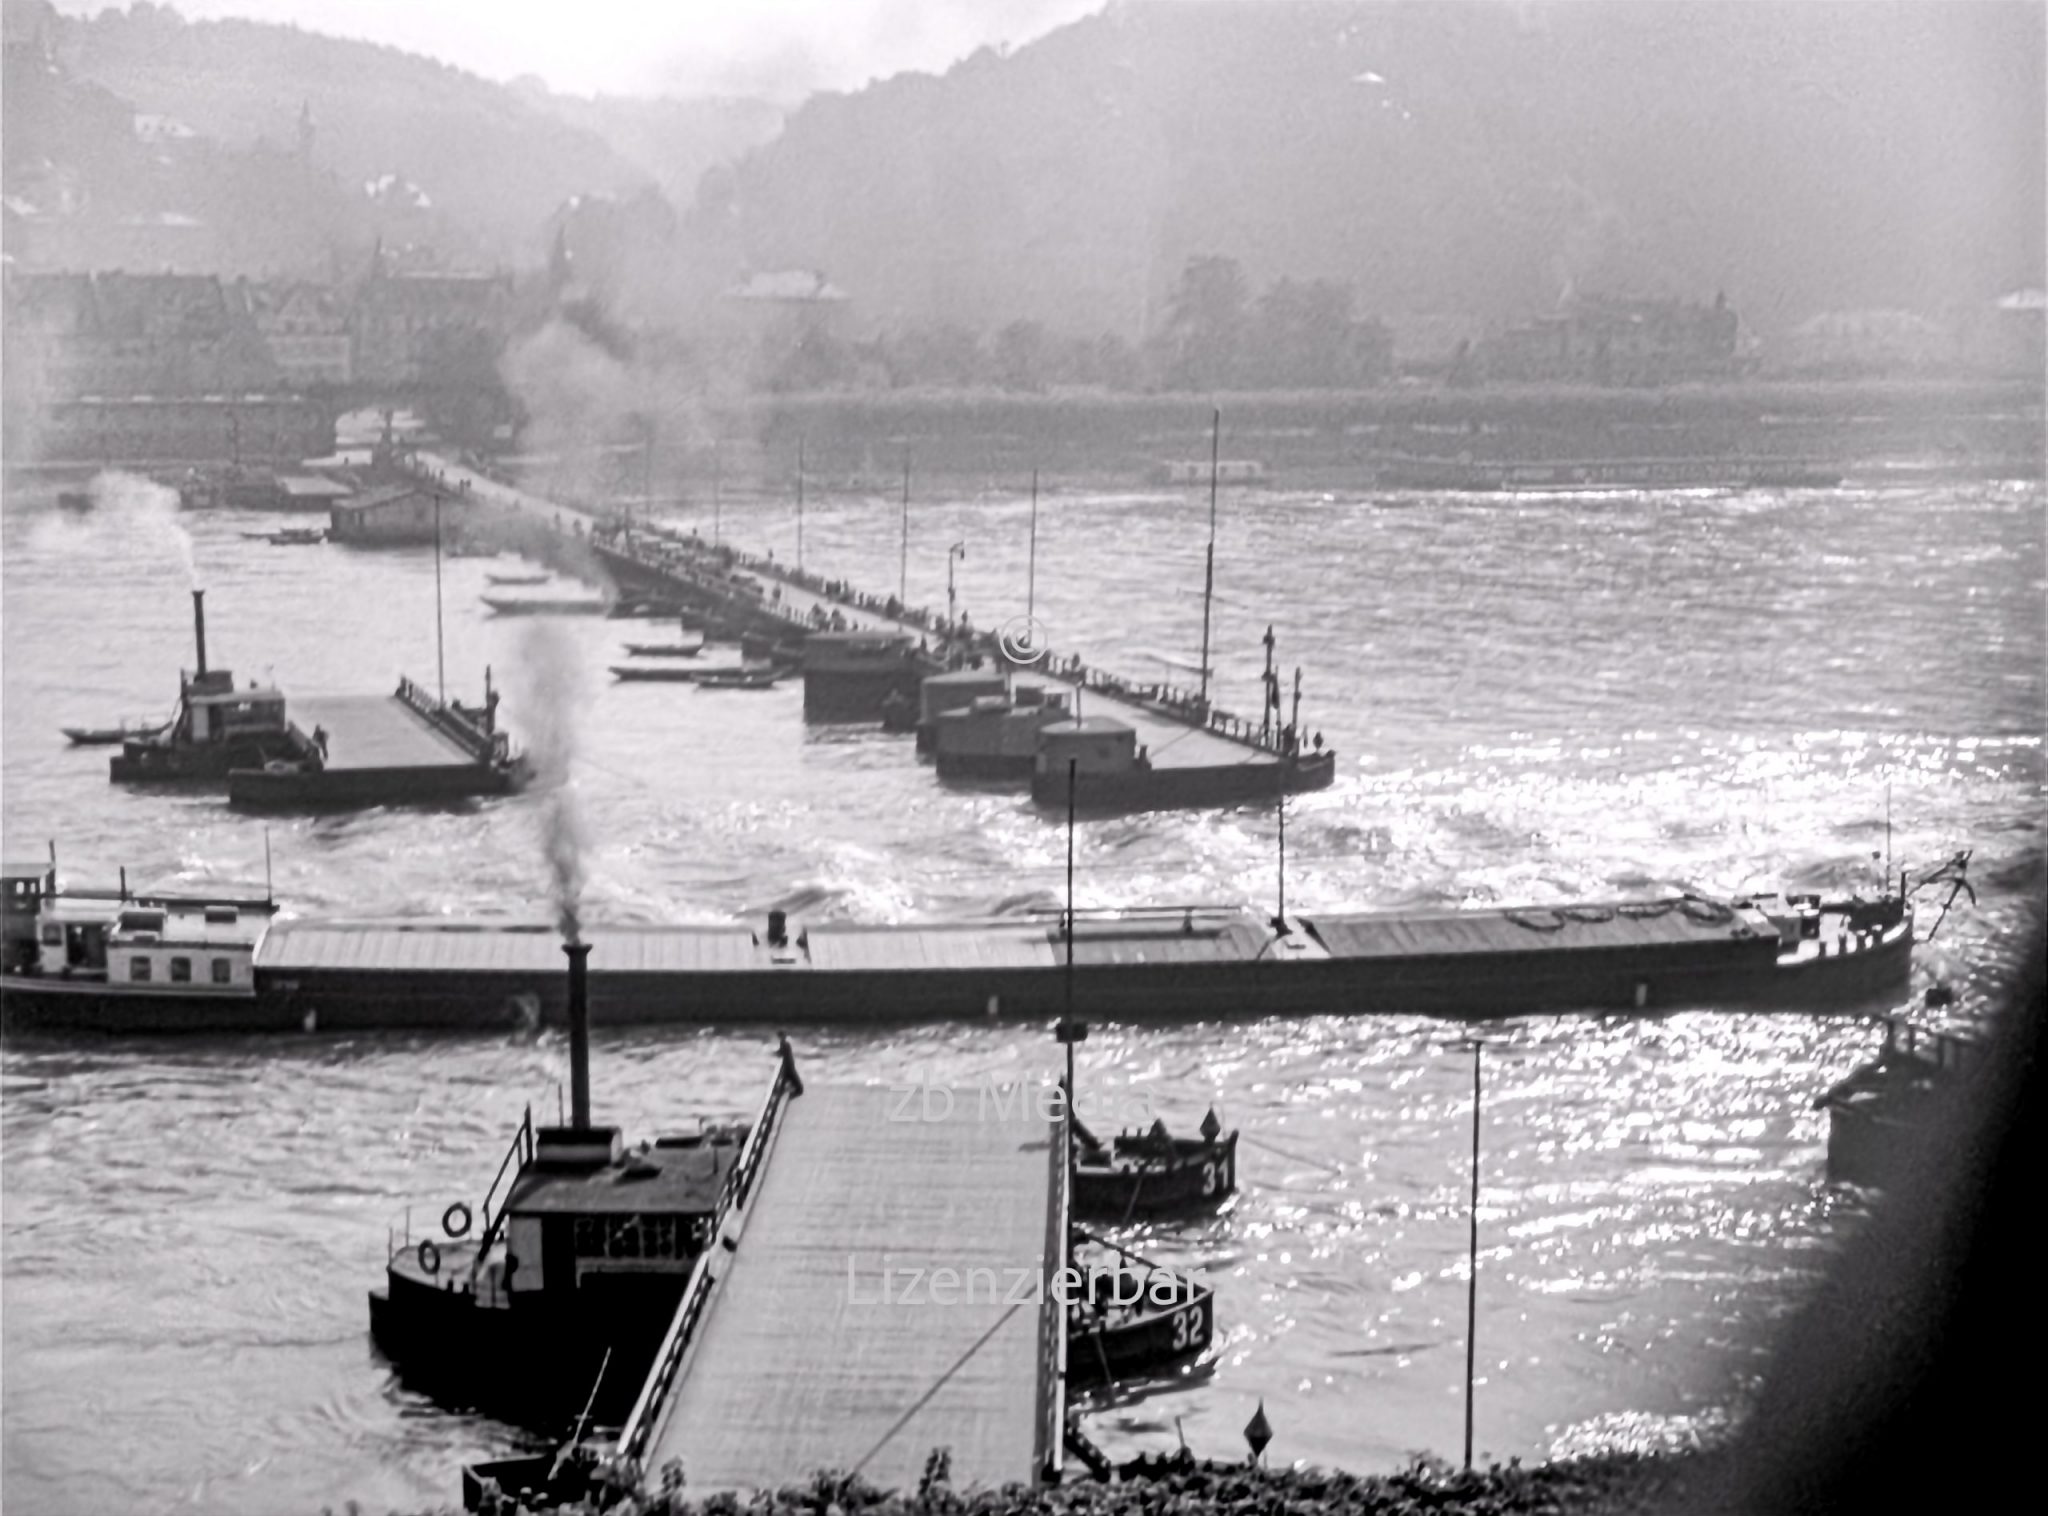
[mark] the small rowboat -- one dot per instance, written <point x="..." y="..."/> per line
<point x="635" y="608"/>
<point x="739" y="679"/>
<point x="106" y="736"/>
<point x="1153" y="1174"/>
<point x="654" y="674"/>
<point x="1134" y="1319"/>
<point x="504" y="606"/>
<point x="517" y="579"/>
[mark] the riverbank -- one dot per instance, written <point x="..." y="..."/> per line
<point x="969" y="441"/>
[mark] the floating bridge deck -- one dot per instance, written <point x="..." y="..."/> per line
<point x="822" y="1333"/>
<point x="1172" y="741"/>
<point x="377" y="732"/>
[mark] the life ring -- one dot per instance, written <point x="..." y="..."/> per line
<point x="455" y="1221"/>
<point x="429" y="1257"/>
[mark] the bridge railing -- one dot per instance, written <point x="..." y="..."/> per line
<point x="736" y="1194"/>
<point x="481" y="745"/>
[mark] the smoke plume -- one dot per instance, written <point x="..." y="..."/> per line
<point x="552" y="689"/>
<point x="141" y="510"/>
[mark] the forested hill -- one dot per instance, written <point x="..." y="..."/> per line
<point x="1482" y="157"/>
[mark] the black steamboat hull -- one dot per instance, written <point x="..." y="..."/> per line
<point x="1178" y="789"/>
<point x="532" y="1366"/>
<point x="171" y="763"/>
<point x="37" y="1003"/>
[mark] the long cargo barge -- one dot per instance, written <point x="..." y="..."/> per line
<point x="1773" y="952"/>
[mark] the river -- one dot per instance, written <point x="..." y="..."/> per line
<point x="1533" y="698"/>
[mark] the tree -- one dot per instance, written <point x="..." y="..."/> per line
<point x="1022" y="356"/>
<point x="1302" y="337"/>
<point x="1205" y="324"/>
<point x="463" y="396"/>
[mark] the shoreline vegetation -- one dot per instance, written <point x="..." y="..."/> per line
<point x="859" y="442"/>
<point x="1611" y="1484"/>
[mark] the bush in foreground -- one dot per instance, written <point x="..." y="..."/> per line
<point x="1628" y="1484"/>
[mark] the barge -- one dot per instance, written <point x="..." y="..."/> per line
<point x="407" y="748"/>
<point x="1756" y="953"/>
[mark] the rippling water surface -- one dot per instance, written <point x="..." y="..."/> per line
<point x="1533" y="699"/>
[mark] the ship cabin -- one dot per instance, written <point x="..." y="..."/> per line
<point x="587" y="1227"/>
<point x="144" y="947"/>
<point x="22" y="888"/>
<point x="215" y="711"/>
<point x="1097" y="745"/>
<point x="589" y="1214"/>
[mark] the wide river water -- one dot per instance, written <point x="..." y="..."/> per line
<point x="1533" y="698"/>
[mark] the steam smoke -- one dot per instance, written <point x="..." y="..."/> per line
<point x="552" y="692"/>
<point x="141" y="510"/>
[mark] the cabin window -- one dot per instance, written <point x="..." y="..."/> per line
<point x="53" y="934"/>
<point x="223" y="971"/>
<point x="138" y="969"/>
<point x="636" y="1237"/>
<point x="181" y="971"/>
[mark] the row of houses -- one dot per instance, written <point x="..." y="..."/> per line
<point x="176" y="334"/>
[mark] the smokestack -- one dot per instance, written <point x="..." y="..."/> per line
<point x="199" y="627"/>
<point x="578" y="954"/>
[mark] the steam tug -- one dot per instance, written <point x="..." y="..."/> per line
<point x="217" y="727"/>
<point x="551" y="1295"/>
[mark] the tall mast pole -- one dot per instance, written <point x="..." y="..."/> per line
<point x="717" y="493"/>
<point x="1472" y="1263"/>
<point x="903" y="561"/>
<point x="799" y="505"/>
<point x="1209" y="562"/>
<point x="1069" y="1030"/>
<point x="1031" y="576"/>
<point x="440" y="641"/>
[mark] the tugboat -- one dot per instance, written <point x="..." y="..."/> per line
<point x="557" y="1301"/>
<point x="217" y="728"/>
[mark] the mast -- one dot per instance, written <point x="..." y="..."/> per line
<point x="440" y="649"/>
<point x="1031" y="574"/>
<point x="903" y="563"/>
<point x="717" y="493"/>
<point x="799" y="505"/>
<point x="1209" y="559"/>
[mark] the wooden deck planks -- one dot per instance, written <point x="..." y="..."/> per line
<point x="376" y="732"/>
<point x="804" y="1366"/>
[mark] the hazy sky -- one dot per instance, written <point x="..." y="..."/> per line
<point x="783" y="48"/>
